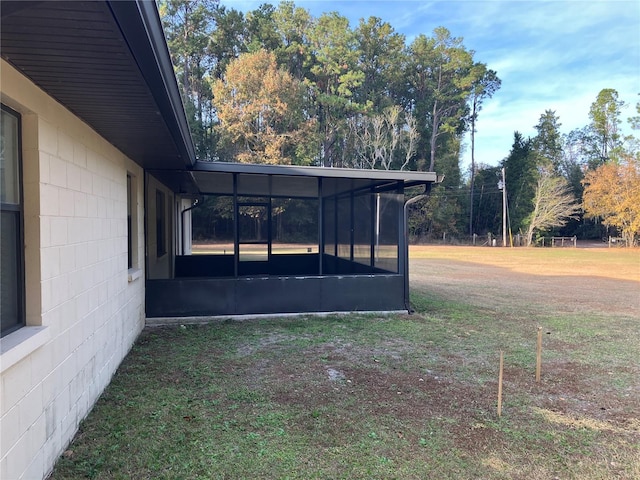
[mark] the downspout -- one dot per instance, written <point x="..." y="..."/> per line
<point x="196" y="203"/>
<point x="427" y="191"/>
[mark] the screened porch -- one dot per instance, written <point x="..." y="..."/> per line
<point x="274" y="239"/>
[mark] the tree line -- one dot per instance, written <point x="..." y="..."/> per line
<point x="584" y="183"/>
<point x="277" y="85"/>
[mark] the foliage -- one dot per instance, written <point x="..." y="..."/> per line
<point x="570" y="156"/>
<point x="333" y="80"/>
<point x="548" y="141"/>
<point x="553" y="204"/>
<point x="633" y="143"/>
<point x="521" y="168"/>
<point x="188" y="28"/>
<point x="612" y="193"/>
<point x="487" y="201"/>
<point x="381" y="58"/>
<point x="434" y="217"/>
<point x="347" y="72"/>
<point x="605" y="121"/>
<point x="261" y="108"/>
<point x="228" y="39"/>
<point x="293" y="24"/>
<point x="440" y="83"/>
<point x="212" y="219"/>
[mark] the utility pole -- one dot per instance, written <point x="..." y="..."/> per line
<point x="502" y="185"/>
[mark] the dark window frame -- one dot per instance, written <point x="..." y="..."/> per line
<point x="129" y="220"/>
<point x="17" y="212"/>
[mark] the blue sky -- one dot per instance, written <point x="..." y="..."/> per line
<point x="553" y="55"/>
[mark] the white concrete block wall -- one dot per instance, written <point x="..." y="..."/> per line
<point x="77" y="281"/>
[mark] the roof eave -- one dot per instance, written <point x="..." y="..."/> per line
<point x="327" y="172"/>
<point x="141" y="27"/>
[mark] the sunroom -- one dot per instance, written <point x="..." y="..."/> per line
<point x="265" y="239"/>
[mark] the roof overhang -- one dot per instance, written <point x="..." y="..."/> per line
<point x="108" y="63"/>
<point x="217" y="178"/>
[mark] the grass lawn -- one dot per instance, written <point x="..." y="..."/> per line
<point x="402" y="396"/>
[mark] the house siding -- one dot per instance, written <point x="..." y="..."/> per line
<point x="78" y="288"/>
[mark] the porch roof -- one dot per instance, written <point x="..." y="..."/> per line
<point x="109" y="64"/>
<point x="286" y="180"/>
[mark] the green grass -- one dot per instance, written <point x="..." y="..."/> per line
<point x="213" y="402"/>
<point x="363" y="396"/>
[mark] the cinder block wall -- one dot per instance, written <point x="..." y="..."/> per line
<point x="84" y="306"/>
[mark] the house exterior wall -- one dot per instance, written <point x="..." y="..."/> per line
<point x="84" y="306"/>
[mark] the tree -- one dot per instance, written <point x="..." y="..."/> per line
<point x="434" y="217"/>
<point x="605" y="120"/>
<point x="228" y="40"/>
<point x="260" y="107"/>
<point x="261" y="29"/>
<point x="553" y="204"/>
<point x="382" y="54"/>
<point x="574" y="159"/>
<point x="612" y="193"/>
<point x="548" y="141"/>
<point x="441" y="83"/>
<point x="633" y="143"/>
<point x="635" y="120"/>
<point x="334" y="78"/>
<point x="521" y="174"/>
<point x="488" y="200"/>
<point x="188" y="25"/>
<point x="293" y="24"/>
<point x="384" y="140"/>
<point x="485" y="84"/>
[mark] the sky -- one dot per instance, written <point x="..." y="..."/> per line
<point x="550" y="55"/>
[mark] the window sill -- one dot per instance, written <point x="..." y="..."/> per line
<point x="134" y="274"/>
<point x="20" y="344"/>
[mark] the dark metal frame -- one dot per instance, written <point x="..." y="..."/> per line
<point x="289" y="283"/>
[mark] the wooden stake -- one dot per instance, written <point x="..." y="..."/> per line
<point x="539" y="355"/>
<point x="500" y="384"/>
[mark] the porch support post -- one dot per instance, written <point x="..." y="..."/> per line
<point x="351" y="222"/>
<point x="236" y="226"/>
<point x="373" y="230"/>
<point x="320" y="226"/>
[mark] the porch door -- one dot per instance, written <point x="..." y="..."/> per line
<point x="254" y="237"/>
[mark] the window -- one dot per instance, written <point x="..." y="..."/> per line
<point x="132" y="222"/>
<point x="11" y="250"/>
<point x="161" y="235"/>
<point x="129" y="225"/>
